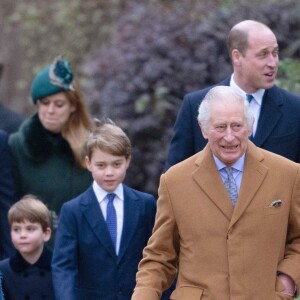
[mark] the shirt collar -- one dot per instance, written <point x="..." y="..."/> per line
<point x="258" y="95"/>
<point x="101" y="193"/>
<point x="238" y="165"/>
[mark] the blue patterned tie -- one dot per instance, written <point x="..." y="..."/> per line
<point x="249" y="97"/>
<point x="111" y="218"/>
<point x="231" y="186"/>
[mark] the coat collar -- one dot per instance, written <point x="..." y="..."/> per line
<point x="211" y="182"/>
<point x="19" y="264"/>
<point x="39" y="143"/>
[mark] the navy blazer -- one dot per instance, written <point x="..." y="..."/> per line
<point x="85" y="265"/>
<point x="6" y="196"/>
<point x="278" y="128"/>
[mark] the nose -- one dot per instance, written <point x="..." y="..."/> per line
<point x="273" y="61"/>
<point x="109" y="170"/>
<point x="51" y="108"/>
<point x="23" y="233"/>
<point x="229" y="136"/>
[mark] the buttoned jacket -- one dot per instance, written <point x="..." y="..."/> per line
<point x="221" y="251"/>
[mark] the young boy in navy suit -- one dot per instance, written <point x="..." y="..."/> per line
<point x="102" y="232"/>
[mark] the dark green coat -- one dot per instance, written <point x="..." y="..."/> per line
<point x="43" y="165"/>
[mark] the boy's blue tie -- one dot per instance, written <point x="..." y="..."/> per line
<point x="231" y="186"/>
<point x="111" y="218"/>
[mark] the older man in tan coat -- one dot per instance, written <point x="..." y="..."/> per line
<point x="237" y="244"/>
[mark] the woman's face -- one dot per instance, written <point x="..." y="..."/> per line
<point x="54" y="112"/>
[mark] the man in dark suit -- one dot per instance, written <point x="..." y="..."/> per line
<point x="6" y="196"/>
<point x="253" y="50"/>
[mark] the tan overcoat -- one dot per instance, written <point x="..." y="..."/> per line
<point x="221" y="252"/>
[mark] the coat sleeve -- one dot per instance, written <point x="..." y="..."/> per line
<point x="64" y="262"/>
<point x="290" y="265"/>
<point x="158" y="268"/>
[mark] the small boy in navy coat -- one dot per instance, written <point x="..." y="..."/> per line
<point x="27" y="274"/>
<point x="102" y="232"/>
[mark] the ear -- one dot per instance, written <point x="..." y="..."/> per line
<point x="87" y="163"/>
<point x="250" y="132"/>
<point x="235" y="56"/>
<point x="47" y="234"/>
<point x="128" y="161"/>
<point x="203" y="131"/>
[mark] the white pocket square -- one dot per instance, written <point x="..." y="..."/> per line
<point x="276" y="203"/>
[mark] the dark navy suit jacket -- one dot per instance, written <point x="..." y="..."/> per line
<point x="6" y="196"/>
<point x="84" y="263"/>
<point x="278" y="128"/>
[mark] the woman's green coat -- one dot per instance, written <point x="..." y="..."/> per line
<point x="44" y="165"/>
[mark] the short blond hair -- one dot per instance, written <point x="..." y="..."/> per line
<point x="30" y="208"/>
<point x="109" y="138"/>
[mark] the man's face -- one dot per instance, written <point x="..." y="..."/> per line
<point x="257" y="67"/>
<point x="227" y="131"/>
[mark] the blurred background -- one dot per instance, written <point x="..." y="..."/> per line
<point x="134" y="60"/>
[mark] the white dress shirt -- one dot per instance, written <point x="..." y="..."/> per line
<point x="255" y="104"/>
<point x="118" y="204"/>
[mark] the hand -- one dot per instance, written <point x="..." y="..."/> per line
<point x="288" y="282"/>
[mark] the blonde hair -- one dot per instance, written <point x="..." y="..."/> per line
<point x="32" y="209"/>
<point x="78" y="125"/>
<point x="108" y="137"/>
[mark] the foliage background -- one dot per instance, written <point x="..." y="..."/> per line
<point x="136" y="60"/>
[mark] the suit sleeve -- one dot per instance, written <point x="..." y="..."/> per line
<point x="64" y="262"/>
<point x="182" y="143"/>
<point x="290" y="265"/>
<point x="158" y="268"/>
<point x="6" y="196"/>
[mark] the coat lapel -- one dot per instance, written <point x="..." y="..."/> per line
<point x="253" y="177"/>
<point x="131" y="216"/>
<point x="270" y="110"/>
<point x="93" y="214"/>
<point x="208" y="178"/>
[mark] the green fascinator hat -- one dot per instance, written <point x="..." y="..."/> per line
<point x="53" y="79"/>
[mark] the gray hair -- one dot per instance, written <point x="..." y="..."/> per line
<point x="222" y="92"/>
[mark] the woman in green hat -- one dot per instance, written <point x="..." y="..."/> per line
<point x="47" y="151"/>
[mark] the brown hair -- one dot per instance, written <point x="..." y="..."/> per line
<point x="238" y="35"/>
<point x="78" y="124"/>
<point x="32" y="209"/>
<point x="108" y="137"/>
<point x="237" y="39"/>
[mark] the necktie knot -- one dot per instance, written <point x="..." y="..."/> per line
<point x="249" y="97"/>
<point x="111" y="197"/>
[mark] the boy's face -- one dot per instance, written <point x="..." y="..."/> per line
<point x="107" y="170"/>
<point x="29" y="238"/>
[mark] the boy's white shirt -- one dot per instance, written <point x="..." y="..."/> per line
<point x="119" y="206"/>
